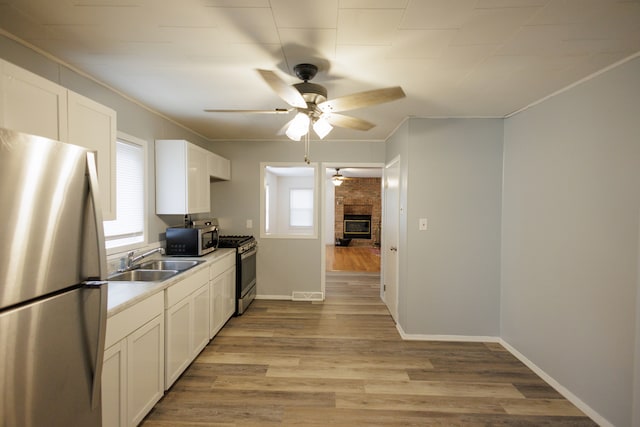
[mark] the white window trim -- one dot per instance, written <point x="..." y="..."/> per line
<point x="145" y="149"/>
<point x="313" y="234"/>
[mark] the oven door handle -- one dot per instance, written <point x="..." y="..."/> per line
<point x="248" y="254"/>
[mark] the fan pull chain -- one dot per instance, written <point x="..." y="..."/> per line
<point x="307" y="158"/>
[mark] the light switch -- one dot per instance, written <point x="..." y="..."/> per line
<point x="249" y="223"/>
<point x="422" y="224"/>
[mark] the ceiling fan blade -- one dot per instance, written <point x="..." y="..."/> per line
<point x="283" y="90"/>
<point x="274" y="111"/>
<point x="362" y="99"/>
<point x="348" y="122"/>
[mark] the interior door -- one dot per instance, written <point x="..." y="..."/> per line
<point x="390" y="236"/>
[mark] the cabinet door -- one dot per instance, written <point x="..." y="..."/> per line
<point x="92" y="125"/>
<point x="182" y="178"/>
<point x="229" y="293"/>
<point x="114" y="386"/>
<point x="198" y="196"/>
<point x="32" y="104"/>
<point x="217" y="304"/>
<point x="201" y="311"/>
<point x="177" y="341"/>
<point x="145" y="369"/>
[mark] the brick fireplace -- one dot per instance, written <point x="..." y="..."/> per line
<point x="359" y="199"/>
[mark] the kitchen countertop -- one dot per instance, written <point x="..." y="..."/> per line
<point x="122" y="295"/>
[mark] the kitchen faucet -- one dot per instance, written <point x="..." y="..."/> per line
<point x="131" y="259"/>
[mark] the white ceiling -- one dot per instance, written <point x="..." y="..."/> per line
<point x="453" y="58"/>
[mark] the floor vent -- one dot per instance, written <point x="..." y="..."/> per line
<point x="307" y="296"/>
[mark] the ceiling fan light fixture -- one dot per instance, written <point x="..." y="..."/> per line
<point x="322" y="127"/>
<point x="337" y="178"/>
<point x="299" y="127"/>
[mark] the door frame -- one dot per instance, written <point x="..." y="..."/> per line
<point x="383" y="238"/>
<point x="323" y="208"/>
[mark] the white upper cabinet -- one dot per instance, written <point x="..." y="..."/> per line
<point x="182" y="177"/>
<point x="198" y="198"/>
<point x="32" y="104"/>
<point x="93" y="126"/>
<point x="218" y="166"/>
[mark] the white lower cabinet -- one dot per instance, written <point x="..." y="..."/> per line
<point x="187" y="320"/>
<point x="133" y="372"/>
<point x="201" y="311"/>
<point x="222" y="275"/>
<point x="114" y="385"/>
<point x="150" y="344"/>
<point x="145" y="385"/>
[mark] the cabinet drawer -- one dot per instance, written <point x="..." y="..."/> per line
<point x="222" y="265"/>
<point x="186" y="287"/>
<point x="127" y="321"/>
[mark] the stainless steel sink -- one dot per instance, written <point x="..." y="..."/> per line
<point x="142" y="275"/>
<point x="167" y="264"/>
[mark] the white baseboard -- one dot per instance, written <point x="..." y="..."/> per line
<point x="462" y="338"/>
<point x="275" y="297"/>
<point x="295" y="296"/>
<point x="559" y="387"/>
<point x="596" y="417"/>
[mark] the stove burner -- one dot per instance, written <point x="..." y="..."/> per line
<point x="233" y="241"/>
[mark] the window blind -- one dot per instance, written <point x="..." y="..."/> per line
<point x="128" y="227"/>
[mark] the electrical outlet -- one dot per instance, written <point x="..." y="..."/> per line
<point x="249" y="223"/>
<point x="422" y="224"/>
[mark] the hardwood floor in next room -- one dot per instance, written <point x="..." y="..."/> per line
<point x="353" y="258"/>
<point x="342" y="362"/>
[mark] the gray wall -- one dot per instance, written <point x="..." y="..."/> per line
<point x="284" y="265"/>
<point x="450" y="274"/>
<point x="132" y="117"/>
<point x="570" y="239"/>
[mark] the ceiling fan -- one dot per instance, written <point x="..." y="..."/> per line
<point x="337" y="178"/>
<point x="312" y="106"/>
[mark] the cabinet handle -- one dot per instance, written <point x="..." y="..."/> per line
<point x="393" y="249"/>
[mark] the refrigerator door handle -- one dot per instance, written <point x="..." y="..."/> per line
<point x="100" y="286"/>
<point x="97" y="213"/>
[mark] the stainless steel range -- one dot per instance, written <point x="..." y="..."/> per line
<point x="246" y="251"/>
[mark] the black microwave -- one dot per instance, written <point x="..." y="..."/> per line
<point x="193" y="240"/>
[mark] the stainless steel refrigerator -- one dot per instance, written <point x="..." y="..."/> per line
<point x="53" y="299"/>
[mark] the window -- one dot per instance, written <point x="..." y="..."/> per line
<point x="301" y="207"/>
<point x="288" y="207"/>
<point x="128" y="230"/>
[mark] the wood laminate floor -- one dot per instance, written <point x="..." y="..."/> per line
<point x="353" y="258"/>
<point x="342" y="362"/>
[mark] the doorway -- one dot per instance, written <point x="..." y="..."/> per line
<point x="353" y="218"/>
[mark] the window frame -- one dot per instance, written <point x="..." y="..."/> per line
<point x="130" y="139"/>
